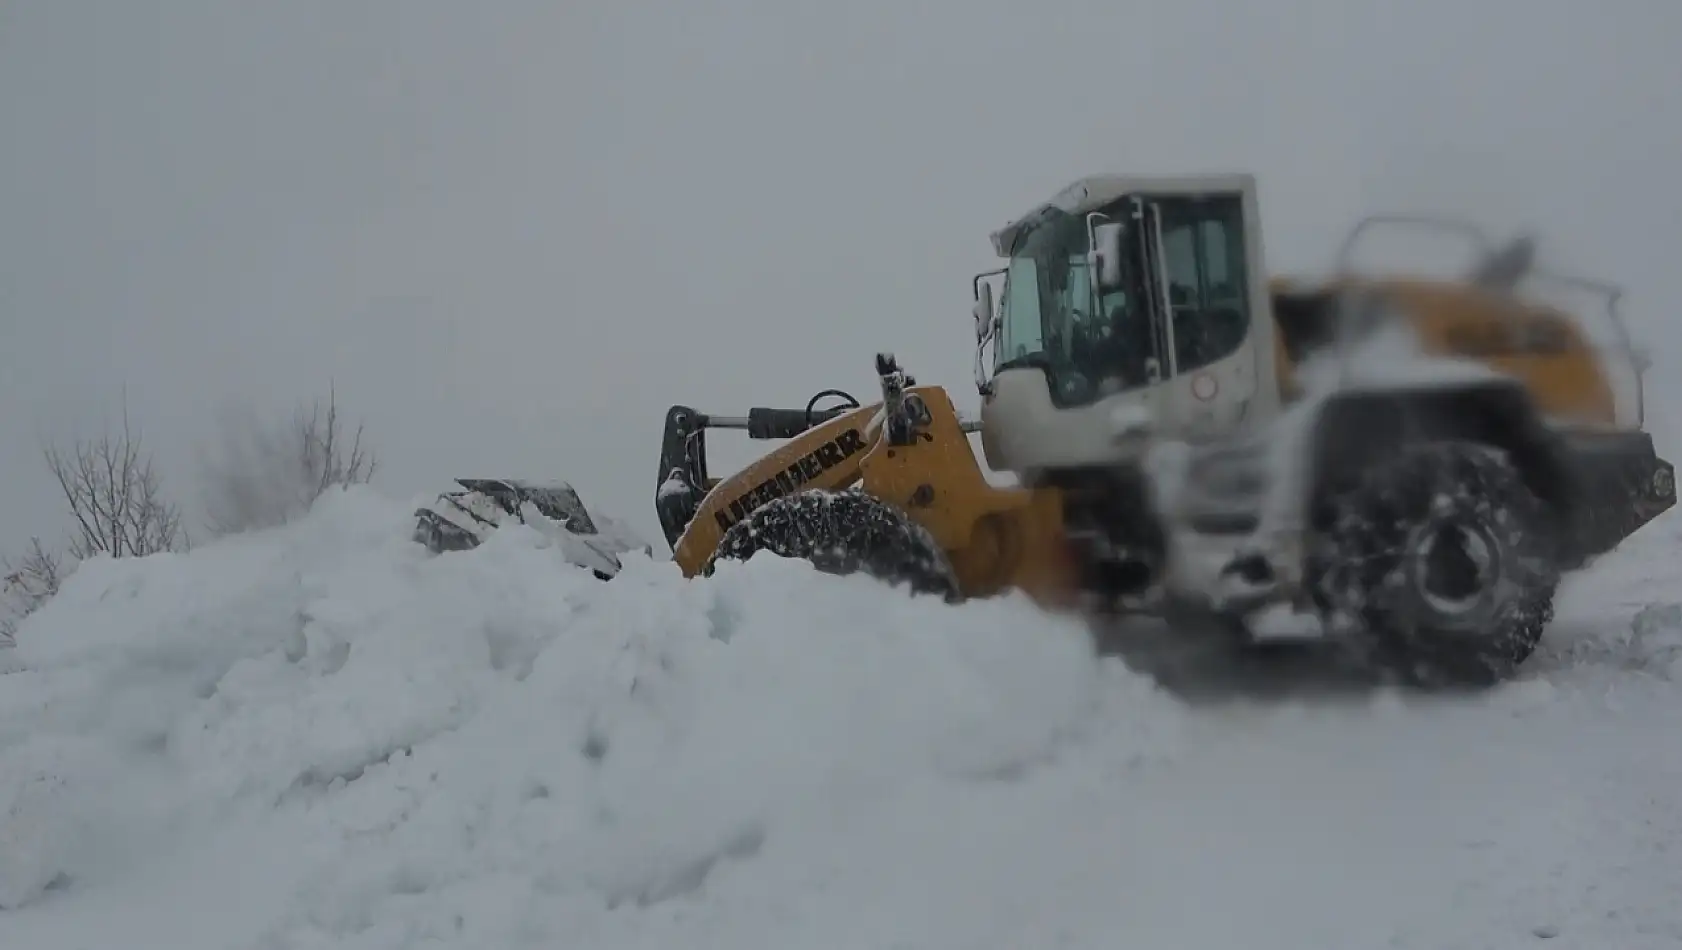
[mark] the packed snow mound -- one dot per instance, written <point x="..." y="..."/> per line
<point x="322" y="736"/>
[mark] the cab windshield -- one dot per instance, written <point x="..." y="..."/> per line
<point x="1192" y="315"/>
<point x="1088" y="349"/>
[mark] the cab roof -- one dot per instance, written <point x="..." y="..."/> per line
<point x="1095" y="191"/>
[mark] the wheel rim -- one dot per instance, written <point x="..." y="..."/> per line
<point x="1454" y="570"/>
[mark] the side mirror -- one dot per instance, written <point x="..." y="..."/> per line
<point x="1105" y="256"/>
<point x="983" y="311"/>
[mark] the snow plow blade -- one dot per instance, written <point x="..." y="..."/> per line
<point x="462" y="520"/>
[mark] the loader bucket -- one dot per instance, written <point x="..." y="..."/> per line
<point x="461" y="520"/>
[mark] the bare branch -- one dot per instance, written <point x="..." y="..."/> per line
<point x="266" y="475"/>
<point x="26" y="585"/>
<point x="36" y="576"/>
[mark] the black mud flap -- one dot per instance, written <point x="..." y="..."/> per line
<point x="1623" y="484"/>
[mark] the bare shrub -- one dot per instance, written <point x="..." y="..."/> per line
<point x="264" y="475"/>
<point x="26" y="585"/>
<point x="115" y="496"/>
<point x="116" y="501"/>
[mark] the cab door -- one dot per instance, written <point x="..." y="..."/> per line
<point x="1204" y="303"/>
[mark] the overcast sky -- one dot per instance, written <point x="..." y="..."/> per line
<point x="514" y="232"/>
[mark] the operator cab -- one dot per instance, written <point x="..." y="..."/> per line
<point x="1130" y="306"/>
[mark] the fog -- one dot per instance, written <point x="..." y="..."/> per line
<point x="512" y="234"/>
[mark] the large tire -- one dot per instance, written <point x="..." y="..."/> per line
<point x="1399" y="563"/>
<point x="843" y="532"/>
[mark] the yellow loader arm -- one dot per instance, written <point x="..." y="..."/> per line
<point x="909" y="452"/>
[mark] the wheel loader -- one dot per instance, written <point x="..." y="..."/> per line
<point x="1191" y="437"/>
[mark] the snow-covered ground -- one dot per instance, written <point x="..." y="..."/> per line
<point x="322" y="737"/>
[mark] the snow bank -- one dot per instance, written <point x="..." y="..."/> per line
<point x="320" y="736"/>
<point x="432" y="724"/>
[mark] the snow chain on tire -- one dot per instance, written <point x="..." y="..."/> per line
<point x="843" y="532"/>
<point x="1374" y="572"/>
